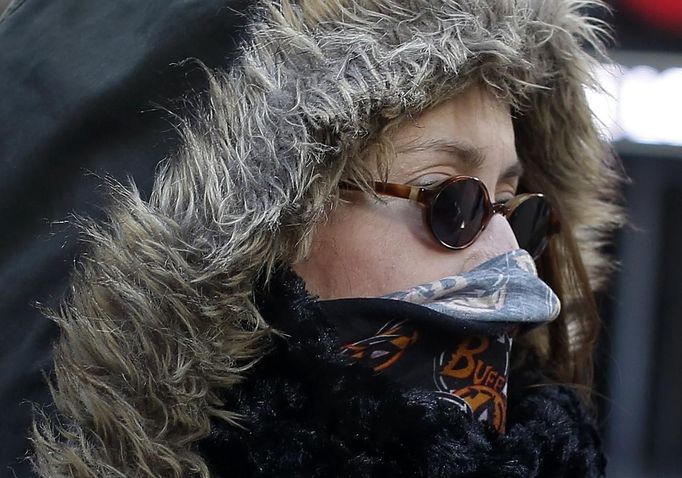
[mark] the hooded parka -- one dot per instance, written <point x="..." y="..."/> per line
<point x="189" y="348"/>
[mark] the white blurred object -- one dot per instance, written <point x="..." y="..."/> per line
<point x="639" y="104"/>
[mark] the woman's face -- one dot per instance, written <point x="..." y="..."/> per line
<point x="369" y="248"/>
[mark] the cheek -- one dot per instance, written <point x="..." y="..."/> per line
<point x="371" y="249"/>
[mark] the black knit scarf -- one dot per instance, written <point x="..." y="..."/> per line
<point x="312" y="412"/>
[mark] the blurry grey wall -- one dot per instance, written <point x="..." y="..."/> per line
<point x="639" y="366"/>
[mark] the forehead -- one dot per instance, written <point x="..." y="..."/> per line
<point x="473" y="129"/>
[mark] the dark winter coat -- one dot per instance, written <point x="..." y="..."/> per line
<point x="169" y="366"/>
<point x="309" y="412"/>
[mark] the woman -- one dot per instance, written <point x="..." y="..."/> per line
<point x="329" y="276"/>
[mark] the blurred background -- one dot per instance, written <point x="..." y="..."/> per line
<point x="639" y="364"/>
<point x="639" y="360"/>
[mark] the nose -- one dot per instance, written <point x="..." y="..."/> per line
<point x="497" y="238"/>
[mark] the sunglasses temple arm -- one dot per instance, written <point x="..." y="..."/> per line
<point x="404" y="191"/>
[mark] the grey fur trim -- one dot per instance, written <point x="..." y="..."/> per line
<point x="161" y="314"/>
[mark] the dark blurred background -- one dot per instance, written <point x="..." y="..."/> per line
<point x="639" y="366"/>
<point x="639" y="360"/>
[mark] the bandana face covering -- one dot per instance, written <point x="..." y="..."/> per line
<point x="452" y="335"/>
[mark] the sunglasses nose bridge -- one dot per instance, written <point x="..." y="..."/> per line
<point x="501" y="208"/>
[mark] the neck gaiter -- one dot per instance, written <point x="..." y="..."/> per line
<point x="452" y="336"/>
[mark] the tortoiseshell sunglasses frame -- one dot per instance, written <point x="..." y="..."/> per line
<point x="427" y="195"/>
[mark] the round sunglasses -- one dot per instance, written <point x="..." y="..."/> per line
<point x="459" y="208"/>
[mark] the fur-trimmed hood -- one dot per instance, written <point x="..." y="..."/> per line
<point x="161" y="314"/>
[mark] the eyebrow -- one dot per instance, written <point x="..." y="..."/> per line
<point x="470" y="155"/>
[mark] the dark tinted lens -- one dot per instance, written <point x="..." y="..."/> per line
<point x="458" y="212"/>
<point x="530" y="222"/>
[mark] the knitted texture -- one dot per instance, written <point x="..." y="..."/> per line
<point x="309" y="412"/>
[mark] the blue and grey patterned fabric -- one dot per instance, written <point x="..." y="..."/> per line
<point x="503" y="289"/>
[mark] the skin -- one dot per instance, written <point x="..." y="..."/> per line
<point x="370" y="247"/>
